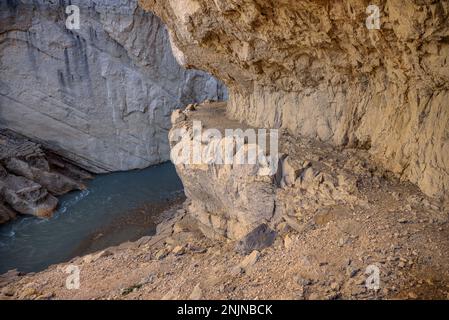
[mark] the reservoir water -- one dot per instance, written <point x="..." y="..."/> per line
<point x="115" y="208"/>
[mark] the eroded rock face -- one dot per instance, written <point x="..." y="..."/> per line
<point x="227" y="200"/>
<point x="314" y="68"/>
<point x="313" y="182"/>
<point x="30" y="179"/>
<point x="101" y="95"/>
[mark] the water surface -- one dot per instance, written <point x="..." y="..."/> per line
<point x="115" y="208"/>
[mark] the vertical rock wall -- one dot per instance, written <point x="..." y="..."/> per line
<point x="101" y="95"/>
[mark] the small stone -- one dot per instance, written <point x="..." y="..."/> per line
<point x="289" y="172"/>
<point x="105" y="253"/>
<point x="288" y="241"/>
<point x="197" y="293"/>
<point x="88" y="258"/>
<point x="237" y="270"/>
<point x="303" y="281"/>
<point x="143" y="241"/>
<point x="195" y="249"/>
<point x="94" y="257"/>
<point x="9" y="292"/>
<point x="190" y="107"/>
<point x="178" y="250"/>
<point x="283" y="228"/>
<point x="147" y="279"/>
<point x="259" y="238"/>
<point x="46" y="296"/>
<point x="352" y="272"/>
<point x="250" y="260"/>
<point x="412" y="295"/>
<point x="294" y="223"/>
<point x="314" y="296"/>
<point x="28" y="293"/>
<point x="161" y="254"/>
<point x="335" y="286"/>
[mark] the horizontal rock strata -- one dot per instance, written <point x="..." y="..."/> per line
<point x="30" y="179"/>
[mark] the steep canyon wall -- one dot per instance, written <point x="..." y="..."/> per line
<point x="101" y="95"/>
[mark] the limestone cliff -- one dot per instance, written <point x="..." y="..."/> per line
<point x="101" y="95"/>
<point x="314" y="68"/>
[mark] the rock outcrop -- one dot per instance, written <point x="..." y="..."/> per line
<point x="315" y="68"/>
<point x="30" y="178"/>
<point x="101" y="95"/>
<point x="227" y="200"/>
<point x="313" y="183"/>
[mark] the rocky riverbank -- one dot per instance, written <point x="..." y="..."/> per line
<point x="31" y="177"/>
<point x="329" y="231"/>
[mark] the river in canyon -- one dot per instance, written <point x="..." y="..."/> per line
<point x="115" y="208"/>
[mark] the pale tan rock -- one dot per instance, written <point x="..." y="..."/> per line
<point x="289" y="171"/>
<point x="177" y="116"/>
<point x="250" y="260"/>
<point x="197" y="293"/>
<point x="178" y="250"/>
<point x="161" y="254"/>
<point x="95" y="256"/>
<point x="315" y="69"/>
<point x="288" y="241"/>
<point x="222" y="198"/>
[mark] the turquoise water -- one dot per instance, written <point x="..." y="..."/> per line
<point x="115" y="208"/>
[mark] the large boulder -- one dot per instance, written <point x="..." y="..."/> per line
<point x="54" y="182"/>
<point x="26" y="196"/>
<point x="30" y="180"/>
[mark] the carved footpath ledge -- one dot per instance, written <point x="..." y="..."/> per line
<point x="312" y="181"/>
